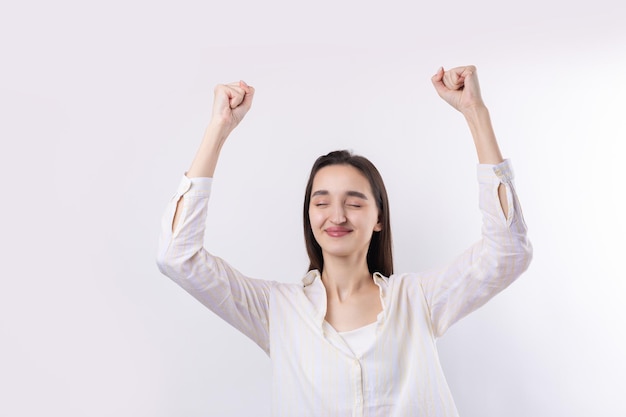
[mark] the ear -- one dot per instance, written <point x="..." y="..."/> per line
<point x="379" y="226"/>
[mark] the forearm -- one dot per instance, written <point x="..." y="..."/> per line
<point x="230" y="105"/>
<point x="487" y="149"/>
<point x="480" y="126"/>
<point x="205" y="161"/>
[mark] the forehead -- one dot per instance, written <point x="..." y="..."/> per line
<point x="341" y="178"/>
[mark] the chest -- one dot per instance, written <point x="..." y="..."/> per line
<point x="315" y="370"/>
<point x="355" y="312"/>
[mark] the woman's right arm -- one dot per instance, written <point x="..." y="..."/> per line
<point x="241" y="301"/>
<point x="230" y="104"/>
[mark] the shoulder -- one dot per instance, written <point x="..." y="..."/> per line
<point x="289" y="292"/>
<point x="286" y="287"/>
<point x="408" y="282"/>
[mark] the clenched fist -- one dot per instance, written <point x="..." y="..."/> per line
<point x="231" y="102"/>
<point x="459" y="87"/>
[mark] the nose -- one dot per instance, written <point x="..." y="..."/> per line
<point x="339" y="215"/>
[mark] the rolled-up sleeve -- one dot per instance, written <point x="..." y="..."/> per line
<point x="491" y="264"/>
<point x="241" y="301"/>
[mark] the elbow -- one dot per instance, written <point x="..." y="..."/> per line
<point x="162" y="264"/>
<point x="526" y="256"/>
<point x="184" y="268"/>
<point x="509" y="262"/>
<point x="171" y="266"/>
<point x="166" y="264"/>
<point x="173" y="257"/>
<point x="517" y="261"/>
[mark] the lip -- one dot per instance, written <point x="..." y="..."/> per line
<point x="337" y="231"/>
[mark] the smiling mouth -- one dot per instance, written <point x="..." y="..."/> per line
<point x="337" y="231"/>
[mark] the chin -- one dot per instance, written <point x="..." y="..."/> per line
<point x="341" y="252"/>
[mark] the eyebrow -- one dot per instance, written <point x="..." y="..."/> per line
<point x="349" y="193"/>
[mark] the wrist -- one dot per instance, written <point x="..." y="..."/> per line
<point x="217" y="131"/>
<point x="475" y="112"/>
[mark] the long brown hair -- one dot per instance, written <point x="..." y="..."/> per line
<point x="379" y="254"/>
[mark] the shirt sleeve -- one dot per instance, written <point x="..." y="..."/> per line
<point x="241" y="301"/>
<point x="491" y="264"/>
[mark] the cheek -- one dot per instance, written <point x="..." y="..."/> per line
<point x="314" y="220"/>
<point x="315" y="226"/>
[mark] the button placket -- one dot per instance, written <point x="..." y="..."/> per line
<point x="358" y="388"/>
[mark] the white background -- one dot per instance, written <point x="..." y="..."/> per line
<point x="102" y="105"/>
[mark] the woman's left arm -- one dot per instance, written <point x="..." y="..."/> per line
<point x="504" y="252"/>
<point x="459" y="87"/>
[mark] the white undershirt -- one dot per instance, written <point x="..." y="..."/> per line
<point x="360" y="339"/>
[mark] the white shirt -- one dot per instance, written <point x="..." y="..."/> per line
<point x="359" y="340"/>
<point x="314" y="371"/>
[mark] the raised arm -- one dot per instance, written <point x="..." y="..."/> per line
<point x="504" y="252"/>
<point x="231" y="102"/>
<point x="240" y="300"/>
<point x="459" y="87"/>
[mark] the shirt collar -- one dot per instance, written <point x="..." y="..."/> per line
<point x="315" y="292"/>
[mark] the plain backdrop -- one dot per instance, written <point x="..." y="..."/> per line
<point x="103" y="104"/>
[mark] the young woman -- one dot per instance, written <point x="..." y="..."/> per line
<point x="353" y="339"/>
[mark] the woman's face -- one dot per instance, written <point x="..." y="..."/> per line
<point x="342" y="211"/>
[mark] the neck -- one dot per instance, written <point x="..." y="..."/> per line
<point x="344" y="277"/>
